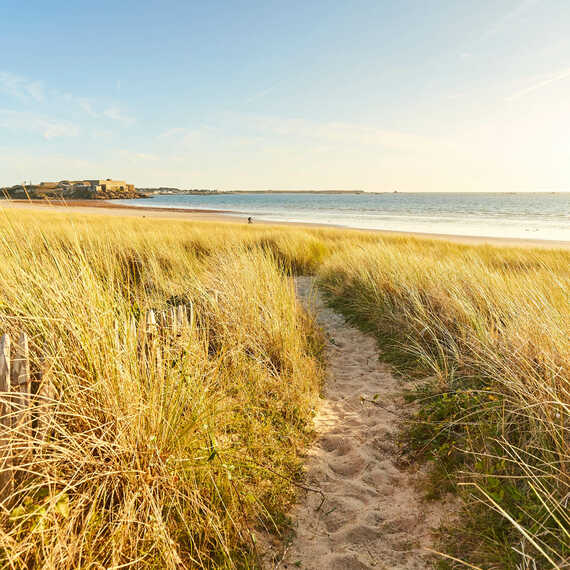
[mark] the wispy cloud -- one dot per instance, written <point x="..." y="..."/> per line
<point x="47" y="127"/>
<point x="21" y="87"/>
<point x="345" y="134"/>
<point x="24" y="88"/>
<point x="87" y="106"/>
<point x="117" y="114"/>
<point x="261" y="93"/>
<point x="540" y="84"/>
<point x="173" y="132"/>
<point x="188" y="136"/>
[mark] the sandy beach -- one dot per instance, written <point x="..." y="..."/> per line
<point x="109" y="208"/>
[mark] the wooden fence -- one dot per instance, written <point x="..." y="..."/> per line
<point x="22" y="410"/>
<point x="26" y="406"/>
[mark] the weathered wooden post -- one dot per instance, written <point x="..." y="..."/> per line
<point x="181" y="316"/>
<point x="153" y="345"/>
<point x="5" y="417"/>
<point x="4" y="373"/>
<point x="150" y="322"/>
<point x="172" y="319"/>
<point x="20" y="385"/>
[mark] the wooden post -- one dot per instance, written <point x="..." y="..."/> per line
<point x="5" y="418"/>
<point x="172" y="319"/>
<point x="153" y="345"/>
<point x="150" y="320"/>
<point x="20" y="383"/>
<point x="181" y="316"/>
<point x="4" y="370"/>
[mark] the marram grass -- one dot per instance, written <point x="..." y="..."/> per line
<point x="491" y="328"/>
<point x="153" y="467"/>
<point x="177" y="465"/>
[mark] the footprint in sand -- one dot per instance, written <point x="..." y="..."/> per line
<point x="373" y="516"/>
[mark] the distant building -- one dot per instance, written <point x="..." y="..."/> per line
<point x="109" y="185"/>
<point x="89" y="189"/>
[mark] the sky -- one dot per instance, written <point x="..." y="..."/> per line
<point x="363" y="94"/>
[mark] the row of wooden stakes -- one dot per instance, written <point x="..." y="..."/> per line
<point x="21" y="410"/>
<point x="26" y="406"/>
<point x="174" y="318"/>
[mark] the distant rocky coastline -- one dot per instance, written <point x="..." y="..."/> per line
<point x="73" y="190"/>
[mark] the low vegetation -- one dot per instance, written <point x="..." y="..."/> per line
<point x="176" y="463"/>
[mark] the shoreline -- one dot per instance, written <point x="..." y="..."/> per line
<point x="104" y="207"/>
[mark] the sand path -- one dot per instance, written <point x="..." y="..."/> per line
<point x="373" y="515"/>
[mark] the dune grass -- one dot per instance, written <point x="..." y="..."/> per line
<point x="490" y="328"/>
<point x="148" y="466"/>
<point x="178" y="463"/>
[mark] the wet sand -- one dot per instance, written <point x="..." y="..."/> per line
<point x="104" y="207"/>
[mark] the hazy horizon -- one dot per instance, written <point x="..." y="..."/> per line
<point x="445" y="97"/>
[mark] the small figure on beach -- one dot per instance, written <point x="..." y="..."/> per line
<point x="250" y="220"/>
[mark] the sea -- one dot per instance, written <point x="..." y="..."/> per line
<point x="511" y="215"/>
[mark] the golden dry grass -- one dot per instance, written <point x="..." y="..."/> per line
<point x="491" y="326"/>
<point x="172" y="464"/>
<point x="147" y="465"/>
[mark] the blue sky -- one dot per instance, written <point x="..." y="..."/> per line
<point x="418" y="96"/>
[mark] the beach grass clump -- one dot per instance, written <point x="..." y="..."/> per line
<point x="490" y="328"/>
<point x="152" y="462"/>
